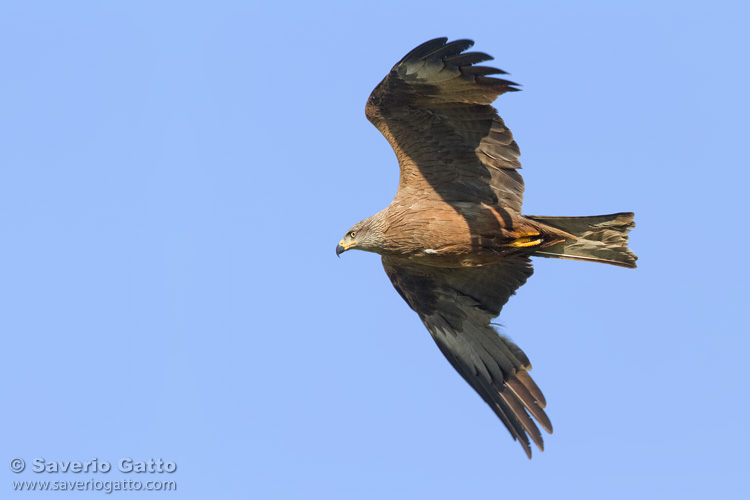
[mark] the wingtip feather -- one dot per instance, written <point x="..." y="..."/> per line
<point x="425" y="48"/>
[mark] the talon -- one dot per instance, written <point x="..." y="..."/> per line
<point x="526" y="241"/>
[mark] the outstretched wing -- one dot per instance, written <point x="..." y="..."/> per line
<point x="434" y="107"/>
<point x="456" y="305"/>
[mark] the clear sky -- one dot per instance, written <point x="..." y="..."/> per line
<point x="174" y="178"/>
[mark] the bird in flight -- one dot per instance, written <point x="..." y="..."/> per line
<point x="453" y="241"/>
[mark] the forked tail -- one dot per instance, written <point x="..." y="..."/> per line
<point x="599" y="238"/>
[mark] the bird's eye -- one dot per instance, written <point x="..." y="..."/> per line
<point x="352" y="234"/>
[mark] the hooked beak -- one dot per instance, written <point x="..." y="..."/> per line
<point x="343" y="247"/>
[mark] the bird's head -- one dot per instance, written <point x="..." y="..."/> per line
<point x="361" y="236"/>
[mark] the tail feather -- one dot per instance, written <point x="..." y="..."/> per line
<point x="599" y="238"/>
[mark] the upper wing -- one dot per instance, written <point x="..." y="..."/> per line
<point x="434" y="107"/>
<point x="456" y="305"/>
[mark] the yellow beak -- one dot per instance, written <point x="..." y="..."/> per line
<point x="343" y="247"/>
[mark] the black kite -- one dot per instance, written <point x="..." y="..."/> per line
<point x="453" y="241"/>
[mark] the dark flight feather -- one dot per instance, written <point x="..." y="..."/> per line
<point x="457" y="305"/>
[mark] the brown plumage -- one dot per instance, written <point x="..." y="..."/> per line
<point x="453" y="240"/>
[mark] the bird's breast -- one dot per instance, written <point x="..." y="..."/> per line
<point x="450" y="235"/>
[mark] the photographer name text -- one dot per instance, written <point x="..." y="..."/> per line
<point x="125" y="465"/>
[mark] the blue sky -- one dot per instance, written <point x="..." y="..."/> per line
<point x="174" y="178"/>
